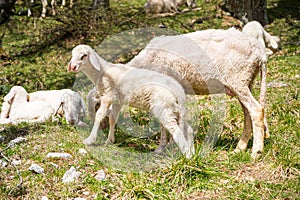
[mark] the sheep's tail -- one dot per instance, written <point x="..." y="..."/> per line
<point x="263" y="91"/>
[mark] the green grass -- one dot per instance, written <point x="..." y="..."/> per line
<point x="37" y="59"/>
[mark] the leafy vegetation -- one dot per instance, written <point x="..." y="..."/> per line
<point x="36" y="54"/>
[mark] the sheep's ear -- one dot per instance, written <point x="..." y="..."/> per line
<point x="273" y="42"/>
<point x="9" y="96"/>
<point x="93" y="60"/>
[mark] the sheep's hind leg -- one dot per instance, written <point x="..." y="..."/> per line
<point x="256" y="112"/>
<point x="243" y="142"/>
<point x="113" y="118"/>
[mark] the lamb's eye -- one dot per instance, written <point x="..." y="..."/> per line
<point x="83" y="56"/>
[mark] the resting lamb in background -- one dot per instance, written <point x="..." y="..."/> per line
<point x="65" y="102"/>
<point x="23" y="111"/>
<point x="211" y="62"/>
<point x="148" y="90"/>
<point x="166" y="6"/>
<point x="255" y="29"/>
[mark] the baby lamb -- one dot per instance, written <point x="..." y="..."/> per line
<point x="166" y="6"/>
<point x="65" y="102"/>
<point x="144" y="89"/>
<point x="23" y="111"/>
<point x="255" y="29"/>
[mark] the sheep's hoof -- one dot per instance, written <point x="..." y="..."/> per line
<point x="256" y="155"/>
<point x="88" y="142"/>
<point x="108" y="142"/>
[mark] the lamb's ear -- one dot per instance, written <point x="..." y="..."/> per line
<point x="273" y="43"/>
<point x="94" y="60"/>
<point x="10" y="96"/>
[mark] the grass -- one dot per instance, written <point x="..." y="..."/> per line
<point x="132" y="170"/>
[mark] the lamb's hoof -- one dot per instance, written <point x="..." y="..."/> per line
<point x="236" y="151"/>
<point x="256" y="155"/>
<point x="108" y="142"/>
<point x="88" y="142"/>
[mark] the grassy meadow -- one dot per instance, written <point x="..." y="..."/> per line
<point x="35" y="55"/>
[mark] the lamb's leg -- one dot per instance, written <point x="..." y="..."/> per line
<point x="170" y="122"/>
<point x="100" y="115"/>
<point x="256" y="112"/>
<point x="243" y="142"/>
<point x="113" y="118"/>
<point x="163" y="140"/>
<point x="44" y="8"/>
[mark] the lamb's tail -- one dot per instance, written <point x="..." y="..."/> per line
<point x="263" y="91"/>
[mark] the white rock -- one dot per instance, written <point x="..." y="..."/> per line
<point x="16" y="141"/>
<point x="58" y="155"/>
<point x="82" y="151"/>
<point x="3" y="164"/>
<point x="71" y="175"/>
<point x="36" y="168"/>
<point x="44" y="198"/>
<point x="53" y="164"/>
<point x="100" y="175"/>
<point x="16" y="162"/>
<point x="79" y="198"/>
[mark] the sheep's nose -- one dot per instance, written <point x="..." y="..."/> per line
<point x="71" y="67"/>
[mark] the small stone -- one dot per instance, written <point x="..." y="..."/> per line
<point x="54" y="165"/>
<point x="44" y="198"/>
<point x="16" y="141"/>
<point x="3" y="164"/>
<point x="71" y="175"/>
<point x="36" y="168"/>
<point x="79" y="198"/>
<point x="58" y="155"/>
<point x="16" y="162"/>
<point x="82" y="151"/>
<point x="1" y="138"/>
<point x="100" y="175"/>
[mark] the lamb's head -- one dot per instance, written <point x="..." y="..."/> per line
<point x="22" y="94"/>
<point x="73" y="107"/>
<point x="83" y="56"/>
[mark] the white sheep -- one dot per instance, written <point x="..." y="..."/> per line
<point x="166" y="6"/>
<point x="211" y="62"/>
<point x="53" y="3"/>
<point x="255" y="29"/>
<point x="23" y="111"/>
<point x="148" y="90"/>
<point x="65" y="102"/>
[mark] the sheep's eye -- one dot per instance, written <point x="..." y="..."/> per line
<point x="82" y="57"/>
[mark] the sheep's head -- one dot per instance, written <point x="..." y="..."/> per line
<point x="83" y="56"/>
<point x="79" y="58"/>
<point x="12" y="93"/>
<point x="73" y="107"/>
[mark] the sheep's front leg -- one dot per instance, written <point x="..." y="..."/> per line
<point x="113" y="118"/>
<point x="100" y="115"/>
